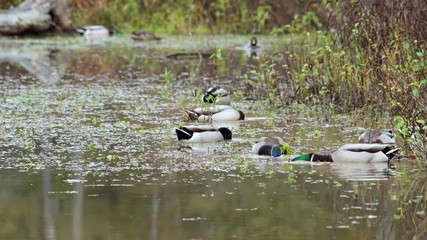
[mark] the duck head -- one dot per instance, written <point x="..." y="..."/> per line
<point x="254" y="41"/>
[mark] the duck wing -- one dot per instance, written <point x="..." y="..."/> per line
<point x="201" y="128"/>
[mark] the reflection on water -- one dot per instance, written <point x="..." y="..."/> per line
<point x="203" y="148"/>
<point x="361" y="172"/>
<point x="50" y="207"/>
<point x="183" y="205"/>
<point x="88" y="152"/>
<point x="77" y="209"/>
<point x="47" y="65"/>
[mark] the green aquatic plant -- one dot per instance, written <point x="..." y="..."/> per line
<point x="111" y="157"/>
<point x="266" y="78"/>
<point x="221" y="61"/>
<point x="243" y="164"/>
<point x="286" y="148"/>
<point x="168" y="78"/>
<point x="95" y="121"/>
<point x="217" y="55"/>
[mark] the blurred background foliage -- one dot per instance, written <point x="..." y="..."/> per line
<point x="188" y="16"/>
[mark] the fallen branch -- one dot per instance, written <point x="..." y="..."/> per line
<point x="36" y="16"/>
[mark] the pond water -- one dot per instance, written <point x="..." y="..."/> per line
<point x="88" y="150"/>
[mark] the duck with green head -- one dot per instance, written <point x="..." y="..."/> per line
<point x="352" y="153"/>
<point x="271" y="146"/>
<point x="253" y="49"/>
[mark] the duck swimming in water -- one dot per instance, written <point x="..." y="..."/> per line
<point x="271" y="146"/>
<point x="215" y="113"/>
<point x="94" y="31"/>
<point x="374" y="136"/>
<point x="352" y="153"/>
<point x="253" y="50"/>
<point x="217" y="95"/>
<point x="143" y="35"/>
<point x="203" y="134"/>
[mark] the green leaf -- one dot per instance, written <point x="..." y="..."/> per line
<point x="416" y="93"/>
<point x="406" y="45"/>
<point x="418" y="198"/>
<point x="421" y="213"/>
<point x="91" y="147"/>
<point x="421" y="121"/>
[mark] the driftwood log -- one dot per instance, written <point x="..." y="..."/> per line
<point x="36" y="16"/>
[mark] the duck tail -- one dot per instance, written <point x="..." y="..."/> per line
<point x="241" y="115"/>
<point x="192" y="115"/>
<point x="226" y="133"/>
<point x="184" y="133"/>
<point x="81" y="30"/>
<point x="390" y="152"/>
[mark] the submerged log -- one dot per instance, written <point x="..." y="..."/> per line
<point x="189" y="55"/>
<point x="36" y="16"/>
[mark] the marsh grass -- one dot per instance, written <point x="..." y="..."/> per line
<point x="372" y="59"/>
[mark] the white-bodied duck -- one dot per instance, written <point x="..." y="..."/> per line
<point x="374" y="136"/>
<point x="215" y="113"/>
<point x="271" y="146"/>
<point x="217" y="95"/>
<point x="94" y="31"/>
<point x="203" y="134"/>
<point x="352" y="153"/>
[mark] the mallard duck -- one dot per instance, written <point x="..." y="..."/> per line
<point x="216" y="113"/>
<point x="271" y="146"/>
<point x="216" y="95"/>
<point x="355" y="153"/>
<point x="252" y="48"/>
<point x="144" y="36"/>
<point x="374" y="136"/>
<point x="94" y="31"/>
<point x="203" y="134"/>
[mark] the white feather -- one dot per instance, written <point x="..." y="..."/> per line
<point x="208" y="136"/>
<point x="360" y="153"/>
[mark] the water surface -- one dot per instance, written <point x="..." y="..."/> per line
<point x="88" y="150"/>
